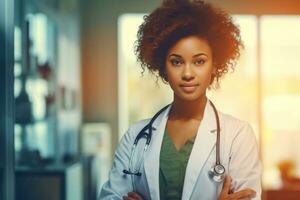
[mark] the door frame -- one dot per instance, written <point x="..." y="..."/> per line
<point x="7" y="99"/>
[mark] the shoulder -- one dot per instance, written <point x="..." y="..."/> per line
<point x="235" y="127"/>
<point x="135" y="128"/>
<point x="139" y="125"/>
<point x="124" y="146"/>
<point x="228" y="119"/>
<point x="239" y="137"/>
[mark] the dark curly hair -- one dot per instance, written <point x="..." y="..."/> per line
<point x="176" y="19"/>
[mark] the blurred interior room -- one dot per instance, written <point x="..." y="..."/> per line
<point x="70" y="86"/>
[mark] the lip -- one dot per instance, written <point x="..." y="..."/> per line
<point x="189" y="88"/>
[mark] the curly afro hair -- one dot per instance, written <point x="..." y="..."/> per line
<point x="176" y="19"/>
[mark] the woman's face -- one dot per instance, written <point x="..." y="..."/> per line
<point x="189" y="68"/>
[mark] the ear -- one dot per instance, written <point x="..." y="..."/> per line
<point x="214" y="71"/>
<point x="215" y="67"/>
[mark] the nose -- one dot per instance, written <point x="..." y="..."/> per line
<point x="187" y="73"/>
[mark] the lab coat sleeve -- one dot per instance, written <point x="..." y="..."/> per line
<point x="118" y="184"/>
<point x="244" y="164"/>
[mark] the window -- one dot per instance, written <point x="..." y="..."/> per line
<point x="280" y="68"/>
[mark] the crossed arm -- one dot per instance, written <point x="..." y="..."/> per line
<point x="225" y="194"/>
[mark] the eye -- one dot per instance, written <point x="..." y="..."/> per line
<point x="176" y="62"/>
<point x="199" y="62"/>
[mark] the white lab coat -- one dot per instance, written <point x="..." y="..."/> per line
<point x="238" y="152"/>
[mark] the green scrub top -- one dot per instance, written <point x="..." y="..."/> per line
<point x="172" y="168"/>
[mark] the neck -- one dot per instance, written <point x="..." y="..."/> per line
<point x="186" y="110"/>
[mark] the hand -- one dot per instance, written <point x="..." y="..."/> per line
<point x="133" y="196"/>
<point x="226" y="194"/>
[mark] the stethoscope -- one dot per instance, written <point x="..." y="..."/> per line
<point x="216" y="173"/>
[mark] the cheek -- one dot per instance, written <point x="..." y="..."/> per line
<point x="170" y="75"/>
<point x="205" y="78"/>
<point x="172" y="80"/>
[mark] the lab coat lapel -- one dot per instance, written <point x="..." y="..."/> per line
<point x="204" y="143"/>
<point x="151" y="162"/>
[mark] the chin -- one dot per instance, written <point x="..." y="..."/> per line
<point x="190" y="97"/>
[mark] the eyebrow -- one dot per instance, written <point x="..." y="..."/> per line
<point x="199" y="54"/>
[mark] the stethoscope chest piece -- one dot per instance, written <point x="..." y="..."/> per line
<point x="217" y="173"/>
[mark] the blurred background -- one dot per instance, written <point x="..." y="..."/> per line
<point x="75" y="87"/>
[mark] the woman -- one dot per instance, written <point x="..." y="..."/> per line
<point x="190" y="45"/>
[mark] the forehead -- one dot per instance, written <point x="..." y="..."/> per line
<point x="189" y="46"/>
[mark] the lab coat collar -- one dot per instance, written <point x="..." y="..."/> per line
<point x="204" y="142"/>
<point x="151" y="161"/>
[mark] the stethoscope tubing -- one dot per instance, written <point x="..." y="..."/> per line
<point x="218" y="162"/>
<point x="149" y="127"/>
<point x="148" y="136"/>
